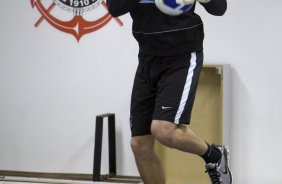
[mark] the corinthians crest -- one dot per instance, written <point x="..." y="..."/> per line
<point x="78" y="25"/>
<point x="78" y="6"/>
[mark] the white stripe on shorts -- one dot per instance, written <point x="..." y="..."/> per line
<point x="187" y="87"/>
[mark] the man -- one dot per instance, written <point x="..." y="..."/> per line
<point x="170" y="61"/>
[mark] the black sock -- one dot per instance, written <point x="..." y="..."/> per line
<point x="212" y="155"/>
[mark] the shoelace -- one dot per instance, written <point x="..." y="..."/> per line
<point x="214" y="175"/>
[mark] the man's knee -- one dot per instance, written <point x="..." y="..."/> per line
<point x="142" y="146"/>
<point x="163" y="130"/>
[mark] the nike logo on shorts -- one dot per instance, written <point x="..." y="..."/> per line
<point x="164" y="108"/>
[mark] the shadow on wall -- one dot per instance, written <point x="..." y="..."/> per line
<point x="241" y="155"/>
<point x="119" y="151"/>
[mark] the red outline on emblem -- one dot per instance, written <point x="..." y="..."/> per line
<point x="116" y="19"/>
<point x="78" y="26"/>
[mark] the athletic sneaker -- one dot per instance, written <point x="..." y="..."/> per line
<point x="219" y="172"/>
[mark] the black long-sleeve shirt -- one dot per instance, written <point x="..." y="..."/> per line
<point x="160" y="34"/>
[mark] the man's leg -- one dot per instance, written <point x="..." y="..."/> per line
<point x="180" y="137"/>
<point x="148" y="164"/>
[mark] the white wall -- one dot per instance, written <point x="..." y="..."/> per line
<point x="249" y="37"/>
<point x="51" y="89"/>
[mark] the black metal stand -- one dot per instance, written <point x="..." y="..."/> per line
<point x="98" y="146"/>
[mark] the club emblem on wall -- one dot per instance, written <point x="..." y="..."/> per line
<point x="78" y="25"/>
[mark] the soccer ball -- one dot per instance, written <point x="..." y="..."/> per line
<point x="174" y="7"/>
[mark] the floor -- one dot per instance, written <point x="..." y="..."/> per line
<point x="21" y="180"/>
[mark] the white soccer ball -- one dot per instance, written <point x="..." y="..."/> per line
<point x="174" y="7"/>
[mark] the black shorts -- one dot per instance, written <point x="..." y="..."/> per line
<point x="164" y="89"/>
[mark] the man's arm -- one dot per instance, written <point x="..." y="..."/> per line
<point x="120" y="7"/>
<point x="214" y="7"/>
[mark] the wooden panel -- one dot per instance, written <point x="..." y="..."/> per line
<point x="184" y="168"/>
